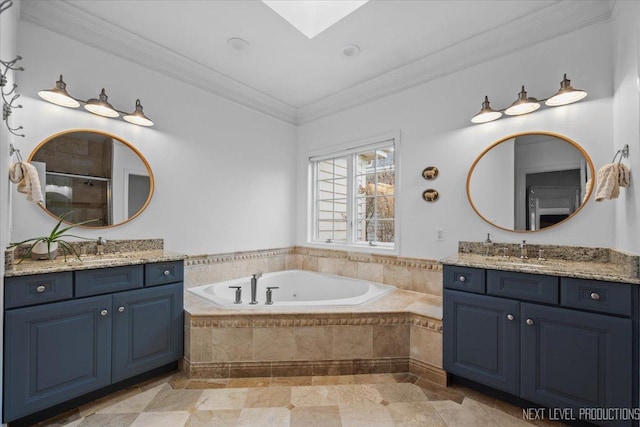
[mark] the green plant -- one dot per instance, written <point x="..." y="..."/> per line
<point x="56" y="236"/>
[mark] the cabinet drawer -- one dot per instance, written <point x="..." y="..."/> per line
<point x="37" y="289"/>
<point x="464" y="278"/>
<point x="605" y="297"/>
<point x="161" y="273"/>
<point x="107" y="280"/>
<point x="530" y="287"/>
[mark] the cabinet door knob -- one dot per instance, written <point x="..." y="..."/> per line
<point x="41" y="288"/>
<point x="121" y="309"/>
<point x="166" y="272"/>
<point x="529" y="322"/>
<point x="510" y="316"/>
<point x="462" y="278"/>
<point x="595" y="296"/>
<point x="104" y="313"/>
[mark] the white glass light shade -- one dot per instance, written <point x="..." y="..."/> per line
<point x="486" y="114"/>
<point x="522" y="105"/>
<point x="59" y="95"/>
<point x="138" y="117"/>
<point x="566" y="94"/>
<point x="101" y="106"/>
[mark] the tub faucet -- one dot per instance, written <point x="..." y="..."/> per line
<point x="270" y="294"/>
<point x="238" y="289"/>
<point x="254" y="287"/>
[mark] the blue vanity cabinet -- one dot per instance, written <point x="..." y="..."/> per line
<point x="147" y="329"/>
<point x="564" y="343"/>
<point x="55" y="352"/>
<point x="482" y="339"/>
<point x="113" y="326"/>
<point x="573" y="359"/>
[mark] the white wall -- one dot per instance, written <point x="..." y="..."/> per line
<point x="434" y="121"/>
<point x="224" y="174"/>
<point x="626" y="123"/>
<point x="8" y="28"/>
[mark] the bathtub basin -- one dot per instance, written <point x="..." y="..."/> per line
<point x="297" y="288"/>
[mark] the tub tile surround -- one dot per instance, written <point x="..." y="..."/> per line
<point x="411" y="274"/>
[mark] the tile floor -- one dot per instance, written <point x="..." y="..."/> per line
<point x="377" y="400"/>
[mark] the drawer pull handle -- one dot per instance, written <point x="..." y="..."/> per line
<point x="595" y="296"/>
<point x="462" y="278"/>
<point x="529" y="322"/>
<point x="166" y="272"/>
<point x="510" y="316"/>
<point x="121" y="309"/>
<point x="104" y="313"/>
<point x="41" y="288"/>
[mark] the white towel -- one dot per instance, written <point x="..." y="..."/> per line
<point x="26" y="176"/>
<point x="624" y="175"/>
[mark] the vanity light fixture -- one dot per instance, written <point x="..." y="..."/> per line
<point x="59" y="95"/>
<point x="138" y="117"/>
<point x="522" y="105"/>
<point x="525" y="104"/>
<point x="99" y="106"/>
<point x="566" y="94"/>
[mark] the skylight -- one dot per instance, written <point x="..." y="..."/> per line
<point x="311" y="17"/>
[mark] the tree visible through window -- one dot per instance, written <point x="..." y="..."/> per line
<point x="354" y="196"/>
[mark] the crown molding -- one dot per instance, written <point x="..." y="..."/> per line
<point x="68" y="20"/>
<point x="555" y="20"/>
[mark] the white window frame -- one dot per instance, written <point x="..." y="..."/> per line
<point x="343" y="150"/>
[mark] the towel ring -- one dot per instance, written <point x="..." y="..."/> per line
<point x="624" y="153"/>
<point x="13" y="150"/>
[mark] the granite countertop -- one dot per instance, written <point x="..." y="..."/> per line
<point x="29" y="266"/>
<point x="595" y="270"/>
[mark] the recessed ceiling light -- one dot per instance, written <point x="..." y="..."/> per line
<point x="351" y="50"/>
<point x="311" y="17"/>
<point x="237" y="43"/>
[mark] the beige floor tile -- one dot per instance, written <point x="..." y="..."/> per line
<point x="365" y="415"/>
<point x="74" y="423"/>
<point x="357" y="394"/>
<point x="133" y="404"/>
<point x="108" y="420"/>
<point x="290" y="381"/>
<point x="415" y="414"/>
<point x="179" y="380"/>
<point x="314" y="396"/>
<point x="248" y="382"/>
<point x="207" y="383"/>
<point x="401" y="392"/>
<point x="222" y="418"/>
<point x="332" y="379"/>
<point x="268" y="397"/>
<point x="506" y="420"/>
<point x="224" y="398"/>
<point x="161" y="419"/>
<point x="473" y="394"/>
<point x="108" y="400"/>
<point x="469" y="413"/>
<point x="316" y="416"/>
<point x="264" y="417"/>
<point x="169" y="399"/>
<point x="64" y="419"/>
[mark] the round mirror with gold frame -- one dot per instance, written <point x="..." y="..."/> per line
<point x="530" y="181"/>
<point x="97" y="176"/>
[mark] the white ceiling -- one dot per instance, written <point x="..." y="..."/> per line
<point x="296" y="79"/>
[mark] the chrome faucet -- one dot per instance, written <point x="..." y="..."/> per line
<point x="270" y="294"/>
<point x="254" y="287"/>
<point x="523" y="250"/>
<point x="238" y="289"/>
<point x="100" y="246"/>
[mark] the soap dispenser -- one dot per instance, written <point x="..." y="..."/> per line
<point x="488" y="246"/>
